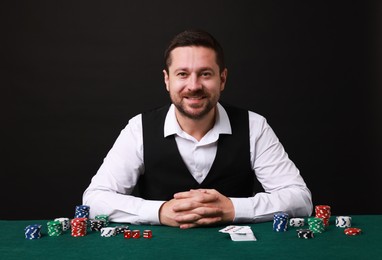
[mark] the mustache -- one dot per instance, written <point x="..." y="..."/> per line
<point x="196" y="93"/>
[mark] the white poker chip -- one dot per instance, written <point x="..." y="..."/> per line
<point x="343" y="221"/>
<point x="296" y="222"/>
<point x="108" y="232"/>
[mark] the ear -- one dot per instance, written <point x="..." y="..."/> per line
<point x="223" y="79"/>
<point x="166" y="80"/>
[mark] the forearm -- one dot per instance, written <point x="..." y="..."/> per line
<point x="296" y="201"/>
<point x="122" y="208"/>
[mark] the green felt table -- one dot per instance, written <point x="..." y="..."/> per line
<point x="196" y="243"/>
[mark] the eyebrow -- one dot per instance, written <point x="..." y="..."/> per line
<point x="200" y="69"/>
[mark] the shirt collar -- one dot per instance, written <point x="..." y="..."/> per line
<point x="222" y="124"/>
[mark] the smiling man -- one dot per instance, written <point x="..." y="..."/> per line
<point x="196" y="162"/>
<point x="194" y="81"/>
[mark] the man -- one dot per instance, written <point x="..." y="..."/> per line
<point x="196" y="161"/>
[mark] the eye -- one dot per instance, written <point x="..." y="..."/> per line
<point x="181" y="74"/>
<point x="206" y="74"/>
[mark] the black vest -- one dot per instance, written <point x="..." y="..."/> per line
<point x="165" y="172"/>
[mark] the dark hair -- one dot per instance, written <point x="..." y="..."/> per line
<point x="195" y="37"/>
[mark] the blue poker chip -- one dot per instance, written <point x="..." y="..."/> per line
<point x="280" y="222"/>
<point x="33" y="231"/>
<point x="82" y="211"/>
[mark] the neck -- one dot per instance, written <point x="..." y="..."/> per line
<point x="197" y="128"/>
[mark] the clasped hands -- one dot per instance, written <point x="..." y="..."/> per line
<point x="194" y="208"/>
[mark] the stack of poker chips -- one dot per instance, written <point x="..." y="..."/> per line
<point x="33" y="231"/>
<point x="305" y="233"/>
<point x="79" y="227"/>
<point x="54" y="228"/>
<point x="323" y="211"/>
<point x="96" y="224"/>
<point x="147" y="234"/>
<point x="296" y="222"/>
<point x="82" y="211"/>
<point x="64" y="222"/>
<point x="343" y="221"/>
<point x="108" y="232"/>
<point x="121" y="229"/>
<point x="316" y="225"/>
<point x="280" y="222"/>
<point x="104" y="218"/>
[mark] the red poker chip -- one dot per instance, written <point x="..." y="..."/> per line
<point x="322" y="207"/>
<point x="352" y="231"/>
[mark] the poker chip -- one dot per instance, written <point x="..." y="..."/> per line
<point x="82" y="211"/>
<point x="64" y="222"/>
<point x="79" y="227"/>
<point x="108" y="232"/>
<point x="343" y="221"/>
<point x="296" y="222"/>
<point x="121" y="229"/>
<point x="104" y="218"/>
<point x="280" y="222"/>
<point x="352" y="231"/>
<point x="324" y="212"/>
<point x="33" y="231"/>
<point x="305" y="233"/>
<point x="54" y="228"/>
<point x="316" y="225"/>
<point x="96" y="224"/>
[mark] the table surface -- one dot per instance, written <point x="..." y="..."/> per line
<point x="196" y="243"/>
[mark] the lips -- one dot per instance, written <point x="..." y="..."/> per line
<point x="195" y="101"/>
<point x="195" y="98"/>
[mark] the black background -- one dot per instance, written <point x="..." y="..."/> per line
<point x="74" y="72"/>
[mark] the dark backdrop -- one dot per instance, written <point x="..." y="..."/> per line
<point x="74" y="72"/>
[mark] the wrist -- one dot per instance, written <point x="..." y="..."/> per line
<point x="229" y="212"/>
<point x="166" y="215"/>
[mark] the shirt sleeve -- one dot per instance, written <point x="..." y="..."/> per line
<point x="285" y="189"/>
<point x="110" y="189"/>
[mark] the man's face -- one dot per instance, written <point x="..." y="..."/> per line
<point x="194" y="81"/>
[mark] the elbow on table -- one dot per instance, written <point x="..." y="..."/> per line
<point x="304" y="204"/>
<point x="90" y="198"/>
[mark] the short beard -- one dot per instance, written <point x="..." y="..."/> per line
<point x="198" y="116"/>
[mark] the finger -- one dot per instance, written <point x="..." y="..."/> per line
<point x="183" y="195"/>
<point x="188" y="225"/>
<point x="199" y="213"/>
<point x="208" y="221"/>
<point x="188" y="205"/>
<point x="203" y="209"/>
<point x="201" y="222"/>
<point x="204" y="190"/>
<point x="187" y="218"/>
<point x="196" y="196"/>
<point x="206" y="212"/>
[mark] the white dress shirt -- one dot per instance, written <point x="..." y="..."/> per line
<point x="285" y="190"/>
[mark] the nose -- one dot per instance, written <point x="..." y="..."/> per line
<point x="194" y="83"/>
